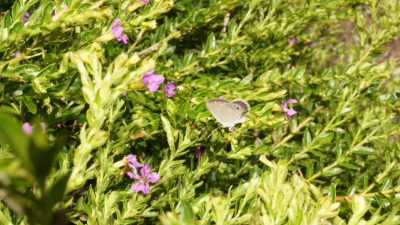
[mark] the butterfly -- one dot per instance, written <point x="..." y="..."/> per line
<point x="228" y="113"/>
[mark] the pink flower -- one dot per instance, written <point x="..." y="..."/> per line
<point x="289" y="112"/>
<point x="152" y="81"/>
<point x="25" y="17"/>
<point x="221" y="97"/>
<point x="292" y="40"/>
<point x="144" y="1"/>
<point x="198" y="152"/>
<point x="132" y="161"/>
<point x="312" y="44"/>
<point x="27" y="128"/>
<point x="169" y="89"/>
<point x="16" y="54"/>
<point x="118" y="31"/>
<point x="144" y="180"/>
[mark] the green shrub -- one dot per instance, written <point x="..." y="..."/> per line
<point x="74" y="103"/>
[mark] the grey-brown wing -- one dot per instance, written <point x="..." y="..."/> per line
<point x="226" y="113"/>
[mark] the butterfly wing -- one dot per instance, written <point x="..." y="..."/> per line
<point x="243" y="107"/>
<point x="226" y="113"/>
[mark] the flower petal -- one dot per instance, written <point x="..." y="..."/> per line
<point x="291" y="112"/>
<point x="291" y="101"/>
<point x="132" y="161"/>
<point x="151" y="72"/>
<point x="283" y="107"/>
<point x="137" y="187"/>
<point x="25" y="17"/>
<point x="133" y="175"/>
<point x="146" y="78"/>
<point x="145" y="170"/>
<point x="124" y="39"/>
<point x="116" y="23"/>
<point x="169" y="89"/>
<point x="117" y="32"/>
<point x="153" y="87"/>
<point x="153" y="177"/>
<point x="146" y="188"/>
<point x="27" y="128"/>
<point x="16" y="54"/>
<point x="197" y="152"/>
<point x="152" y="81"/>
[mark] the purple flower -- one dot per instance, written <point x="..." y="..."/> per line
<point x="198" y="152"/>
<point x="27" y="128"/>
<point x="16" y="54"/>
<point x="25" y="17"/>
<point x="289" y="112"/>
<point x="292" y="40"/>
<point x="152" y="81"/>
<point x="145" y="179"/>
<point x="132" y="161"/>
<point x="169" y="89"/>
<point x="118" y="31"/>
<point x="144" y="1"/>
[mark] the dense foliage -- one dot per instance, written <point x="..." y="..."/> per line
<point x="80" y="99"/>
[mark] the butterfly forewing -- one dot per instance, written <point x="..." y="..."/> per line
<point x="226" y="113"/>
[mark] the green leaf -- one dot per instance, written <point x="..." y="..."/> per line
<point x="364" y="150"/>
<point x="187" y="212"/>
<point x="56" y="192"/>
<point x="7" y="19"/>
<point x="171" y="108"/>
<point x="9" y="110"/>
<point x="168" y="130"/>
<point x="350" y="166"/>
<point x="211" y="43"/>
<point x="43" y="156"/>
<point x="333" y="171"/>
<point x="11" y="133"/>
<point x="30" y="104"/>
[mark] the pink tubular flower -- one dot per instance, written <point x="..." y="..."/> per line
<point x="292" y="40"/>
<point x="132" y="161"/>
<point x="118" y="31"/>
<point x="169" y="89"/>
<point x="146" y="177"/>
<point x="289" y="112"/>
<point x="221" y="97"/>
<point x="27" y="128"/>
<point x="198" y="152"/>
<point x="16" y="54"/>
<point x="25" y="17"/>
<point x="152" y="81"/>
<point x="144" y="1"/>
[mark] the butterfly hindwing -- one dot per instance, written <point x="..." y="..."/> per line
<point x="228" y="113"/>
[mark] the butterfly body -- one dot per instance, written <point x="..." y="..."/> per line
<point x="228" y="114"/>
